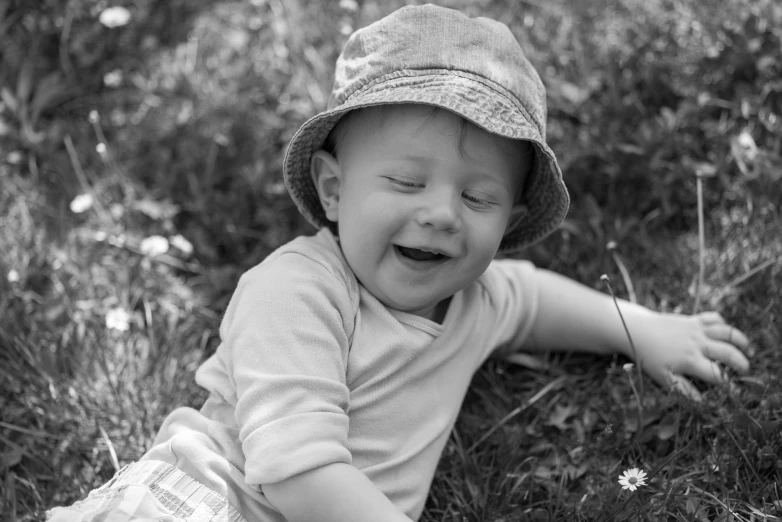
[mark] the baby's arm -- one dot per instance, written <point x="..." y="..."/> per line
<point x="575" y="317"/>
<point x="337" y="492"/>
<point x="285" y="345"/>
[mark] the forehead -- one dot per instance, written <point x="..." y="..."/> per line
<point x="416" y="127"/>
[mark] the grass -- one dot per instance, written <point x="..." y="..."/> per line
<point x="195" y="102"/>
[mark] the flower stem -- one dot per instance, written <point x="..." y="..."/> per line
<point x="639" y="362"/>
<point x="701" y="247"/>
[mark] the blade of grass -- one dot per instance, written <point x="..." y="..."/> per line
<point x="556" y="383"/>
<point x="743" y="277"/>
<point x="638" y="362"/>
<point x="112" y="453"/>
<point x="701" y="247"/>
<point x="611" y="247"/>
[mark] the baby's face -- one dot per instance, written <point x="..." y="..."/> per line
<point x="422" y="206"/>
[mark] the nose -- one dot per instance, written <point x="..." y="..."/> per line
<point x="441" y="210"/>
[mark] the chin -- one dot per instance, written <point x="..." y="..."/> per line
<point x="422" y="307"/>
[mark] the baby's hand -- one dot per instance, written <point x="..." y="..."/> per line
<point x="670" y="347"/>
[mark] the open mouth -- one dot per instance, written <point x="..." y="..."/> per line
<point x="417" y="254"/>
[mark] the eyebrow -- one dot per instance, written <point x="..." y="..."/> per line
<point x="418" y="158"/>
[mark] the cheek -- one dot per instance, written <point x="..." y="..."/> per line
<point x="366" y="223"/>
<point x="488" y="233"/>
<point x="368" y="209"/>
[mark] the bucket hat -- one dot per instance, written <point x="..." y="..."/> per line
<point x="431" y="55"/>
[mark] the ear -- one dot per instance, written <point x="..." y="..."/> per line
<point x="327" y="177"/>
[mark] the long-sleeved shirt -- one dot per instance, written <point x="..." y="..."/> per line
<point x="312" y="370"/>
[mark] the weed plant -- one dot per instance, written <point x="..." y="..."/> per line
<point x="140" y="175"/>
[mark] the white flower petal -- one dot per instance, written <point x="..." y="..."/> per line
<point x="180" y="242"/>
<point x="14" y="157"/>
<point x="113" y="78"/>
<point x="81" y="203"/>
<point x="114" y="16"/>
<point x="118" y="319"/>
<point x="348" y="5"/>
<point x="154" y="246"/>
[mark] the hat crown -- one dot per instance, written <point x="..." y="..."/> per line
<point x="431" y="38"/>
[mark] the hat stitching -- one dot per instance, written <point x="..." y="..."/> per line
<point x="412" y="73"/>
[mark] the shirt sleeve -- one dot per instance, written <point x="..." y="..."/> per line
<point x="513" y="294"/>
<point x="285" y="342"/>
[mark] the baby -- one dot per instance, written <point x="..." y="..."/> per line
<point x="345" y="356"/>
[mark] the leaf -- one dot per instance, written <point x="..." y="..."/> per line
<point x="49" y="92"/>
<point x="692" y="289"/>
<point x="573" y="93"/>
<point x="3" y="9"/>
<point x="594" y="215"/>
<point x="526" y="360"/>
<point x="560" y="415"/>
<point x="564" y="95"/>
<point x="725" y="516"/>
<point x="24" y="84"/>
<point x="543" y="472"/>
<point x="669" y="118"/>
<point x="629" y="148"/>
<point x="29" y="134"/>
<point x="9" y="100"/>
<point x="704" y="169"/>
<point x="156" y="209"/>
<point x="743" y="421"/>
<point x="11" y="456"/>
<point x="667" y="428"/>
<point x="54" y="311"/>
<point x="761" y="514"/>
<point x="572" y="472"/>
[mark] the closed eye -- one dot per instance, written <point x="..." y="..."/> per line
<point x="405" y="183"/>
<point x="473" y="199"/>
<point x="478" y="201"/>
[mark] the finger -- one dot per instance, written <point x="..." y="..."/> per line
<point x="729" y="334"/>
<point x="726" y="354"/>
<point x="709" y="318"/>
<point x="682" y="385"/>
<point x="708" y="371"/>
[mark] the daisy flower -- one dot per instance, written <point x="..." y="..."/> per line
<point x="118" y="319"/>
<point x="632" y="479"/>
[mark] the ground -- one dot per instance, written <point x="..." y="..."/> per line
<point x="140" y="166"/>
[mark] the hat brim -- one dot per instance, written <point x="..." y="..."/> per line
<point x="545" y="196"/>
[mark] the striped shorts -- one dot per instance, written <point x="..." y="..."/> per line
<point x="146" y="491"/>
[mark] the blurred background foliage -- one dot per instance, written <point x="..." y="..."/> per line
<point x="141" y="145"/>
